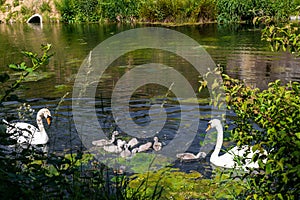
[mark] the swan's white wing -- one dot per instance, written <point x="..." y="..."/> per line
<point x="245" y="151"/>
<point x="226" y="160"/>
<point x="21" y="131"/>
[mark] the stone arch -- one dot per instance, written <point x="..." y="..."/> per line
<point x="36" y="18"/>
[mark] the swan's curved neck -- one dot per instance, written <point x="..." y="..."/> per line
<point x="219" y="141"/>
<point x="39" y="122"/>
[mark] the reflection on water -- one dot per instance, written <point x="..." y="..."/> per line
<point x="240" y="51"/>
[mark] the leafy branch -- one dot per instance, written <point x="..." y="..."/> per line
<point x="36" y="62"/>
<point x="284" y="37"/>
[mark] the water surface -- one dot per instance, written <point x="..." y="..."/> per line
<point x="238" y="49"/>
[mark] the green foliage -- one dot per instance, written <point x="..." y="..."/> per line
<point x="163" y="10"/>
<point x="132" y="10"/>
<point x="78" y="11"/>
<point x="26" y="11"/>
<point x="174" y="184"/>
<point x="66" y="9"/>
<point x="276" y="111"/>
<point x="2" y="2"/>
<point x="178" y="11"/>
<point x="284" y="37"/>
<point x="16" y="3"/>
<point x="122" y="10"/>
<point x="35" y="62"/>
<point x="45" y="7"/>
<point x="239" y="10"/>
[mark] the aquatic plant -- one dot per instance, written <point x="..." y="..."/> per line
<point x="178" y="185"/>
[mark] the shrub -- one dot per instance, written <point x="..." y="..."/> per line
<point x="276" y="111"/>
<point x="284" y="37"/>
<point x="122" y="10"/>
<point x="178" y="11"/>
<point x="45" y="7"/>
<point x="239" y="10"/>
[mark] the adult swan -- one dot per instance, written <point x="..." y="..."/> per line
<point x="29" y="134"/>
<point x="227" y="160"/>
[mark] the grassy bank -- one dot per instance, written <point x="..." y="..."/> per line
<point x="162" y="11"/>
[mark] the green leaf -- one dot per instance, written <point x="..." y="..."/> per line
<point x="13" y="66"/>
<point x="30" y="70"/>
<point x="298" y="135"/>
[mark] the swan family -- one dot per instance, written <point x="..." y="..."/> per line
<point x="26" y="133"/>
<point x="123" y="147"/>
<point x="29" y="134"/>
<point x="226" y="160"/>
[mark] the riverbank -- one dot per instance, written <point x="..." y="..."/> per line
<point x="20" y="11"/>
<point x="151" y="11"/>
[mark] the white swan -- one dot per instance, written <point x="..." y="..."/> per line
<point x="114" y="148"/>
<point x="190" y="156"/>
<point x="156" y="145"/>
<point x="227" y="160"/>
<point x="104" y="142"/>
<point x="29" y="134"/>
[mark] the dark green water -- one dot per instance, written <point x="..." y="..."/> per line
<point x="238" y="49"/>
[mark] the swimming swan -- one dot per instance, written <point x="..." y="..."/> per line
<point x="29" y="134"/>
<point x="104" y="142"/>
<point x="227" y="160"/>
<point x="190" y="156"/>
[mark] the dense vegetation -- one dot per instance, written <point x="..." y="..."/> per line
<point x="176" y="11"/>
<point x="167" y="11"/>
<point x="28" y="173"/>
<point x="268" y="120"/>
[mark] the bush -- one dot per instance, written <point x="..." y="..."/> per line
<point x="284" y="37"/>
<point x="269" y="120"/>
<point x="121" y="10"/>
<point x="178" y="11"/>
<point x="277" y="112"/>
<point x="239" y="10"/>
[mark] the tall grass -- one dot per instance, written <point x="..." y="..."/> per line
<point x="175" y="11"/>
<point x="137" y="10"/>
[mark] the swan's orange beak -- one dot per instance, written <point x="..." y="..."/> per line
<point x="49" y="119"/>
<point x="208" y="128"/>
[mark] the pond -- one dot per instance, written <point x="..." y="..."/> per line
<point x="238" y="49"/>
